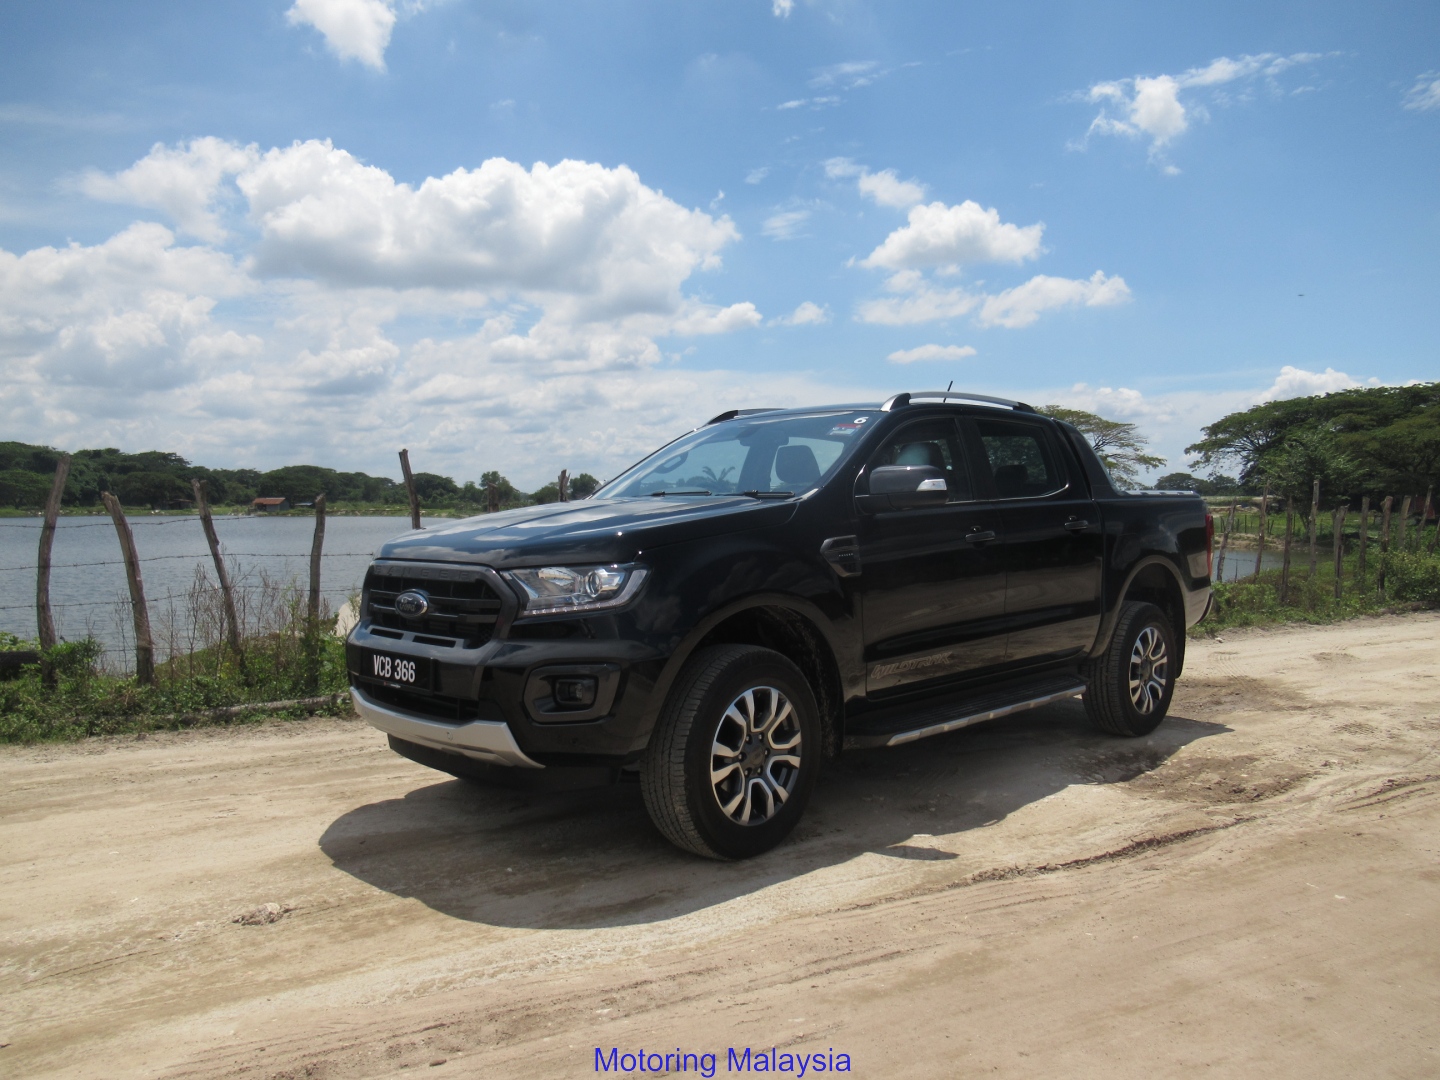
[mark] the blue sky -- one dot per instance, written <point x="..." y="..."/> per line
<point x="544" y="235"/>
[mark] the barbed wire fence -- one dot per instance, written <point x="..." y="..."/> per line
<point x="245" y="602"/>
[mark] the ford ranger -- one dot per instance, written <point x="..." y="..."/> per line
<point x="773" y="588"/>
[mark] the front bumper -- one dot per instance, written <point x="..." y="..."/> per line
<point x="484" y="740"/>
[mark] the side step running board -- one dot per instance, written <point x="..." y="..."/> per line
<point x="938" y="720"/>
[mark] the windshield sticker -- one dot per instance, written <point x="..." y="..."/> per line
<point x="845" y="430"/>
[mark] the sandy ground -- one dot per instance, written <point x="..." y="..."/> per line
<point x="1253" y="890"/>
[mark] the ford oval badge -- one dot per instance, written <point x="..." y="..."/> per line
<point x="412" y="603"/>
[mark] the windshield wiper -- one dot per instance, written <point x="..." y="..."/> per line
<point x="657" y="494"/>
<point x="768" y="494"/>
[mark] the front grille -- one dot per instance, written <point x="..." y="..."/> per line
<point x="463" y="606"/>
<point x="448" y="710"/>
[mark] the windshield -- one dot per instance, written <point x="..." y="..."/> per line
<point x="749" y="455"/>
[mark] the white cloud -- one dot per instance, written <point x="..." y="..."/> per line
<point x="595" y="235"/>
<point x="885" y="187"/>
<point x="1293" y="382"/>
<point x="916" y="301"/>
<point x="940" y="235"/>
<point x="281" y="348"/>
<point x="754" y="176"/>
<point x="807" y="314"/>
<point x="847" y="75"/>
<point x="782" y="8"/>
<point x="785" y="224"/>
<point x="814" y="103"/>
<point x="184" y="182"/>
<point x="931" y="352"/>
<point x="1425" y="94"/>
<point x="131" y="313"/>
<point x="1023" y="304"/>
<point x="354" y="29"/>
<point x="1150" y="106"/>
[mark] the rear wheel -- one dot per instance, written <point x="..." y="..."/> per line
<point x="733" y="757"/>
<point x="1130" y="685"/>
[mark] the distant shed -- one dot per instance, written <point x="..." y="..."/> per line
<point x="270" y="506"/>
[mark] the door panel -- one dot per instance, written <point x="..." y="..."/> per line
<point x="933" y="579"/>
<point x="1053" y="543"/>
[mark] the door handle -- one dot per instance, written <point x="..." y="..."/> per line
<point x="1076" y="525"/>
<point x="980" y="535"/>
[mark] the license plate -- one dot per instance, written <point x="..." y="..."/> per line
<point x="396" y="670"/>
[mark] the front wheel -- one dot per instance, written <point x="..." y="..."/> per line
<point x="1130" y="685"/>
<point x="734" y="754"/>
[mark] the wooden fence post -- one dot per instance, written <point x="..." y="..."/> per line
<point x="1364" y="540"/>
<point x="44" y="617"/>
<point x="144" y="646"/>
<point x="492" y="498"/>
<point x="1260" y="546"/>
<point x="1285" y="548"/>
<point x="1384" y="543"/>
<point x="227" y="592"/>
<point x="1424" y="517"/>
<point x="1314" y="525"/>
<point x="316" y="547"/>
<point x="1339" y="528"/>
<point x="1225" y="544"/>
<point x="564" y="485"/>
<point x="410" y="489"/>
<point x="1404" y="520"/>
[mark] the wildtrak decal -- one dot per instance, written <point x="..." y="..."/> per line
<point x="880" y="671"/>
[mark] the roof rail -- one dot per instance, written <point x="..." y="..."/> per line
<point x="733" y="413"/>
<point x="901" y="400"/>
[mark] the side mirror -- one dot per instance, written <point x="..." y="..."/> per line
<point x="905" y="487"/>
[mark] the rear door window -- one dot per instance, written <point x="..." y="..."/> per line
<point x="1023" y="463"/>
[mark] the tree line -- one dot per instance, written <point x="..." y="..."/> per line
<point x="161" y="480"/>
<point x="1372" y="441"/>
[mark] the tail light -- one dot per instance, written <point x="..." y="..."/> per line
<point x="1210" y="545"/>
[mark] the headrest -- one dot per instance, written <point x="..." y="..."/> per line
<point x="797" y="465"/>
<point x="921" y="453"/>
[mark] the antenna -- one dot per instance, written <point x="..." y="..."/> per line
<point x="946" y="397"/>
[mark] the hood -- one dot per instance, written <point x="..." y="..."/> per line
<point x="589" y="531"/>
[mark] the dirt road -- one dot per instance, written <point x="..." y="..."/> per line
<point x="1253" y="890"/>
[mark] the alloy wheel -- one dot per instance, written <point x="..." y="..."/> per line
<point x="755" y="755"/>
<point x="1149" y="670"/>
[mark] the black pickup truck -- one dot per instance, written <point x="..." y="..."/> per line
<point x="772" y="588"/>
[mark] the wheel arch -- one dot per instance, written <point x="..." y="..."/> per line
<point x="792" y="628"/>
<point x="1154" y="580"/>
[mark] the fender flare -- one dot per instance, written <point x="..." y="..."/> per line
<point x="1110" y="617"/>
<point x="677" y="660"/>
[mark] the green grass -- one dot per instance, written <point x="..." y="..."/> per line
<point x="296" y="662"/>
<point x="1412" y="580"/>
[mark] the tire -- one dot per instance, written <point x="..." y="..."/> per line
<point x="744" y="800"/>
<point x="1130" y="685"/>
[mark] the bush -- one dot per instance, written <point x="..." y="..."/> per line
<point x="286" y="656"/>
<point x="1413" y="576"/>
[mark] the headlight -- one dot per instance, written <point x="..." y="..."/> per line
<point x="554" y="590"/>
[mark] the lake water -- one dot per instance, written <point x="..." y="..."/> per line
<point x="87" y="579"/>
<point x="1239" y="565"/>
